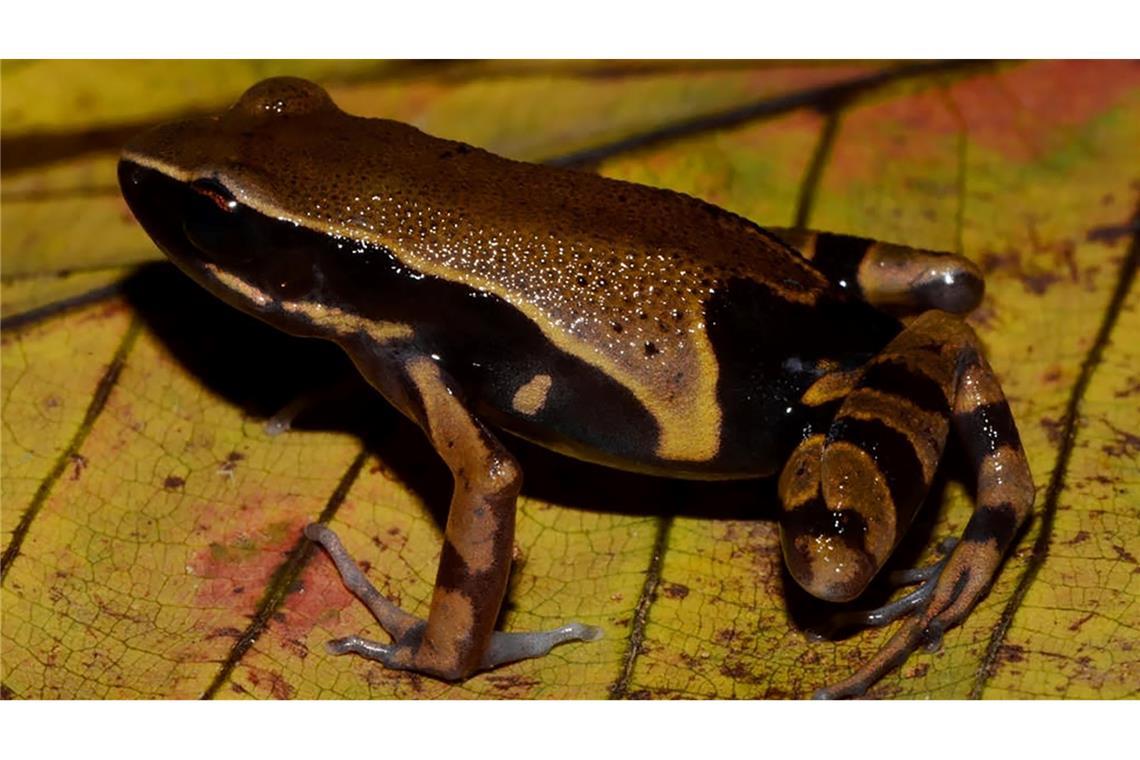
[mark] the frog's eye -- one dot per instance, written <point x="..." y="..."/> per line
<point x="216" y="192"/>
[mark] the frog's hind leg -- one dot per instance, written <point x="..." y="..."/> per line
<point x="851" y="494"/>
<point x="458" y="636"/>
<point x="898" y="278"/>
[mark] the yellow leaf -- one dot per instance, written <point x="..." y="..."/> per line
<point x="151" y="529"/>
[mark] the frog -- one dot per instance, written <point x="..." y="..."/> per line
<point x="628" y="326"/>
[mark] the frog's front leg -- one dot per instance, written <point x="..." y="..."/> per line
<point x="898" y="278"/>
<point x="458" y="637"/>
<point x="851" y="493"/>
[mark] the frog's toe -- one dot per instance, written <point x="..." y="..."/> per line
<point x="395" y="622"/>
<point x="910" y="604"/>
<point x="513" y="646"/>
<point x="372" y="650"/>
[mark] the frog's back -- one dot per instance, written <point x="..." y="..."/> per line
<point x="657" y="292"/>
<point x="715" y="326"/>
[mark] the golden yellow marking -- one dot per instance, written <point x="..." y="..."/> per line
<point x="687" y="413"/>
<point x="162" y="167"/>
<point x="239" y="286"/>
<point x="531" y="396"/>
<point x="832" y="386"/>
<point x="339" y="321"/>
<point x="1004" y="478"/>
<point x="851" y="480"/>
<point x="799" y="480"/>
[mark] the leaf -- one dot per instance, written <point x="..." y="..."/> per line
<point x="151" y="528"/>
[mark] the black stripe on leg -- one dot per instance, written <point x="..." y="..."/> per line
<point x="897" y="379"/>
<point x="453" y="573"/>
<point x="985" y="429"/>
<point x="838" y="258"/>
<point x="813" y="518"/>
<point x="998" y="522"/>
<point x="893" y="454"/>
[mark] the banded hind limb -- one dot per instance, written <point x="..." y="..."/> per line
<point x="850" y="494"/>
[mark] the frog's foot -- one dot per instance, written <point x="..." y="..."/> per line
<point x="925" y="577"/>
<point x="407" y="631"/>
<point x="946" y="598"/>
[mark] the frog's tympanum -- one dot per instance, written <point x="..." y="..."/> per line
<point x="633" y="327"/>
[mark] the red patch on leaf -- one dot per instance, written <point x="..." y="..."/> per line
<point x="236" y="568"/>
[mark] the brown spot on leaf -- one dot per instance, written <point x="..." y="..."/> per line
<point x="278" y="686"/>
<point x="1080" y="537"/>
<point x="227" y="467"/>
<point x="173" y="483"/>
<point x="512" y="685"/>
<point x="80" y="464"/>
<point x="724" y="637"/>
<point x="1124" y="554"/>
<point x="674" y="590"/>
<point x="1052" y="430"/>
<point x="1125" y="444"/>
<point x="1039" y="283"/>
<point x="1076" y="625"/>
<point x="741" y="673"/>
<point x="1132" y="385"/>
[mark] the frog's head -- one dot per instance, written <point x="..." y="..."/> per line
<point x="223" y="198"/>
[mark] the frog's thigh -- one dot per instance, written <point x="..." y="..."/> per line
<point x="848" y="496"/>
<point x="904" y="279"/>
